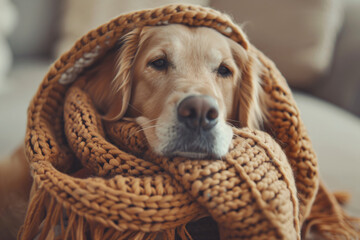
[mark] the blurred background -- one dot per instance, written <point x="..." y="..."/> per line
<point x="314" y="43"/>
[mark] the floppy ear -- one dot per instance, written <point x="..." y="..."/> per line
<point x="249" y="99"/>
<point x="121" y="84"/>
<point x="109" y="82"/>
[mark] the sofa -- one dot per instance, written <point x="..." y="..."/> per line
<point x="316" y="44"/>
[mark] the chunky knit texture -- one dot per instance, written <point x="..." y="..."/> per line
<point x="259" y="190"/>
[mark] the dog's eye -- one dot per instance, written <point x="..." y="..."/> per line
<point x="224" y="71"/>
<point x="159" y="64"/>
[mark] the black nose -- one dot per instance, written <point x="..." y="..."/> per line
<point x="198" y="112"/>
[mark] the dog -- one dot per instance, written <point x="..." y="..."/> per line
<point x="185" y="86"/>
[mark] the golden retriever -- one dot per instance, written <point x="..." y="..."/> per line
<point x="184" y="88"/>
<point x="184" y="85"/>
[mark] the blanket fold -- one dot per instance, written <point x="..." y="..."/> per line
<point x="98" y="180"/>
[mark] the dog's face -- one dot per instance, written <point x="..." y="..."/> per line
<point x="183" y="89"/>
<point x="183" y="86"/>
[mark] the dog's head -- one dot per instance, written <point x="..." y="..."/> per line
<point x="183" y="85"/>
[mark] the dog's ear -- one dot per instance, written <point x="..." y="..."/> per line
<point x="249" y="98"/>
<point x="109" y="82"/>
<point x="121" y="84"/>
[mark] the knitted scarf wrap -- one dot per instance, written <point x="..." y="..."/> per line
<point x="266" y="187"/>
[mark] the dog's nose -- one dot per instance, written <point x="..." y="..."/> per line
<point x="198" y="111"/>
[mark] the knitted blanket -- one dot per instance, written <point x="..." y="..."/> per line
<point x="99" y="180"/>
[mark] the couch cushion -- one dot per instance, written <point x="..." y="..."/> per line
<point x="299" y="36"/>
<point x="76" y="22"/>
<point x="335" y="135"/>
<point x="342" y="85"/>
<point x="36" y="29"/>
<point x="8" y="17"/>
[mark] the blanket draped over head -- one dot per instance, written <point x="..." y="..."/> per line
<point x="266" y="187"/>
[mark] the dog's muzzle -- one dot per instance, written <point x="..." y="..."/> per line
<point x="199" y="132"/>
<point x="198" y="113"/>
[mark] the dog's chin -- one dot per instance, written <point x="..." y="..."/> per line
<point x="194" y="155"/>
<point x="202" y="145"/>
<point x="176" y="140"/>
